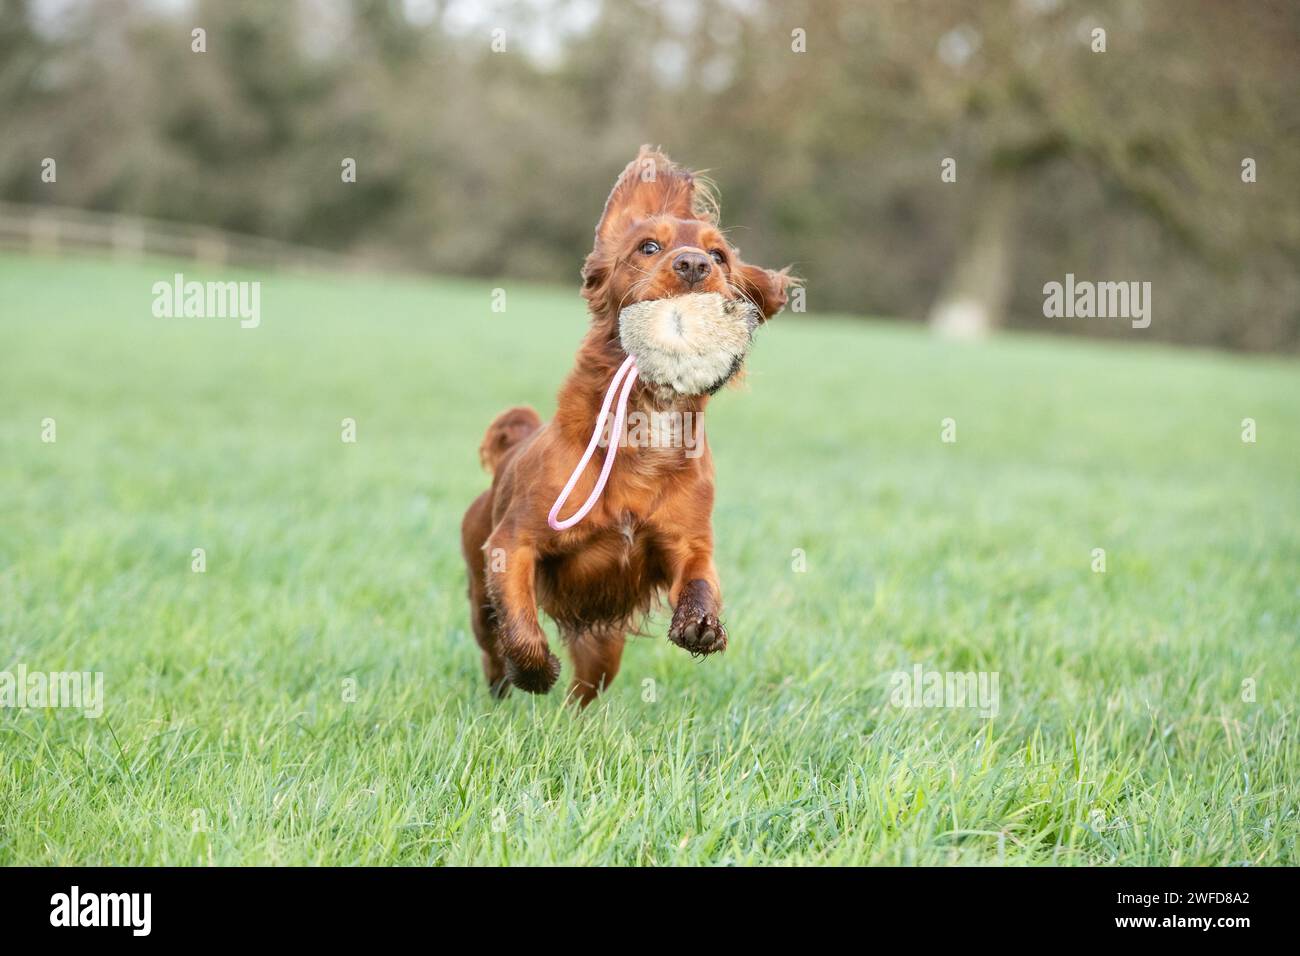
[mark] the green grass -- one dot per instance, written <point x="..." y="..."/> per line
<point x="1122" y="734"/>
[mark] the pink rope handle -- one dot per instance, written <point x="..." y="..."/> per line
<point x="553" y="519"/>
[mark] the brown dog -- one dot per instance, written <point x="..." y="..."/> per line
<point x="651" y="530"/>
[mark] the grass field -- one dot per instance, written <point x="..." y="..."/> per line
<point x="1146" y="714"/>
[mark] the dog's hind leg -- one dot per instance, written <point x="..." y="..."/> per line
<point x="596" y="655"/>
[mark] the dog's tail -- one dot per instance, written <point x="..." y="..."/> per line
<point x="507" y="430"/>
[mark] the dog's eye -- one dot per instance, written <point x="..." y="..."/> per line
<point x="718" y="256"/>
<point x="649" y="247"/>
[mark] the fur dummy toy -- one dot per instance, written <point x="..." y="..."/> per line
<point x="693" y="344"/>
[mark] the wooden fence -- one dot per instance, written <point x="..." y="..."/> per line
<point x="55" y="230"/>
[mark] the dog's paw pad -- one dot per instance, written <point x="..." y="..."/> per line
<point x="536" y="680"/>
<point x="698" y="632"/>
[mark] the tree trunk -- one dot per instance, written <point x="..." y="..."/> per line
<point x="974" y="299"/>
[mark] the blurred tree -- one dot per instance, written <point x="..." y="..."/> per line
<point x="824" y="122"/>
<point x="1127" y="95"/>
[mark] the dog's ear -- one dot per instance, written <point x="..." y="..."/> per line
<point x="594" y="273"/>
<point x="765" y="288"/>
<point x="652" y="185"/>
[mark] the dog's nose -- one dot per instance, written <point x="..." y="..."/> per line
<point x="692" y="266"/>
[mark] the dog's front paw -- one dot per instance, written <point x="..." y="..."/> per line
<point x="702" y="635"/>
<point x="534" y="680"/>
<point x="695" y="625"/>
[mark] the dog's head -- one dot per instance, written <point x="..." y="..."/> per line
<point x="659" y="237"/>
